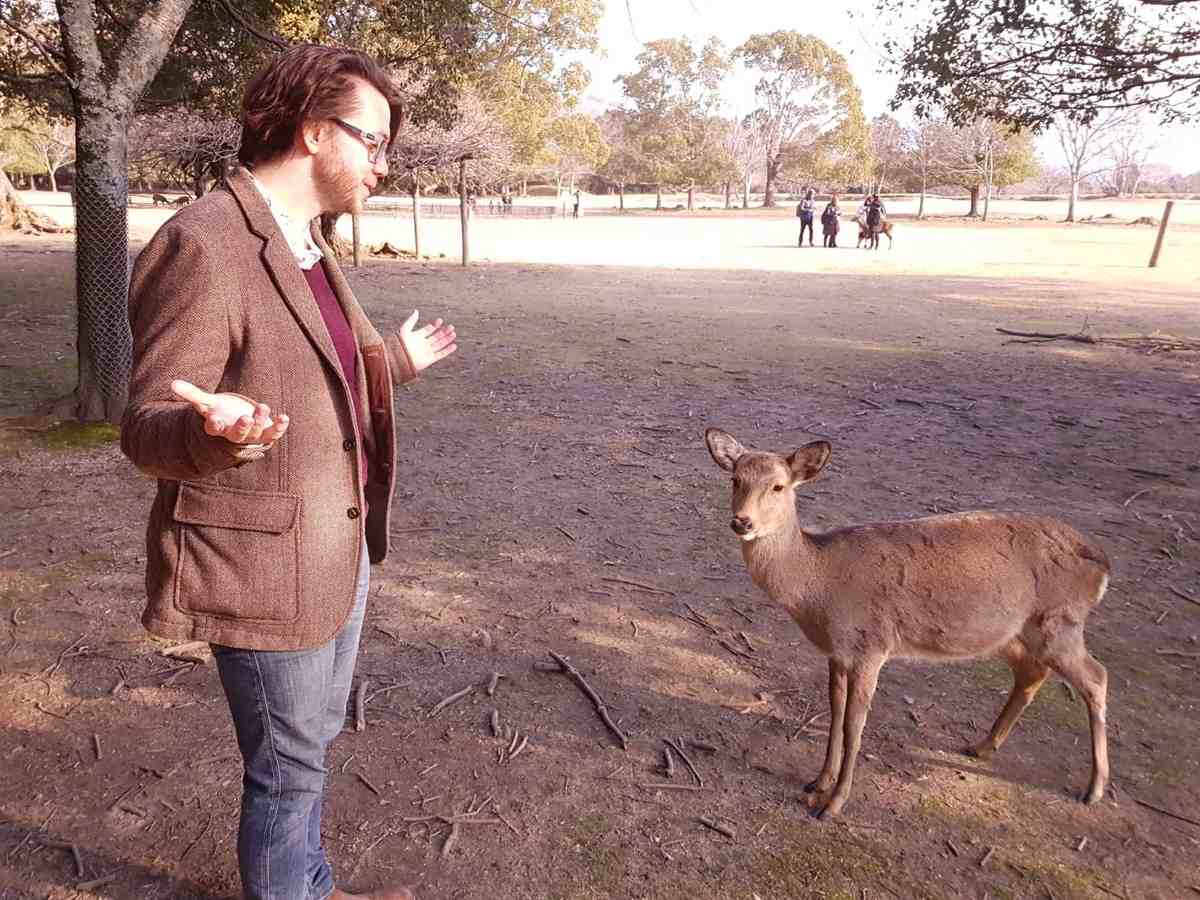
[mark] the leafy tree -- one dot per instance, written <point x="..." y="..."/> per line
<point x="1025" y="62"/>
<point x="674" y="96"/>
<point x="887" y="148"/>
<point x="985" y="155"/>
<point x="624" y="164"/>
<point x="930" y="148"/>
<point x="575" y="145"/>
<point x="806" y="97"/>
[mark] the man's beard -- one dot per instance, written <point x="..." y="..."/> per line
<point x="337" y="186"/>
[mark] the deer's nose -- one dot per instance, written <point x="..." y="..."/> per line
<point x="741" y="525"/>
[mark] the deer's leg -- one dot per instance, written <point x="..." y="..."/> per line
<point x="1028" y="676"/>
<point x="1090" y="680"/>
<point x="838" y="675"/>
<point x="863" y="677"/>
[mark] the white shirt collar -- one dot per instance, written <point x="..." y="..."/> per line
<point x="297" y="234"/>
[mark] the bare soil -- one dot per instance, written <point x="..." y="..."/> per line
<point x="555" y="495"/>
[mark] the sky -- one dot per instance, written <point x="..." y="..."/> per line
<point x="847" y="26"/>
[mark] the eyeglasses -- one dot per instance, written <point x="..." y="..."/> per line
<point x="377" y="146"/>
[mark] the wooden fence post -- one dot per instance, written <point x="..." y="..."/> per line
<point x="1162" y="231"/>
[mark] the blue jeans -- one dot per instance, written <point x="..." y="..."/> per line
<point x="287" y="707"/>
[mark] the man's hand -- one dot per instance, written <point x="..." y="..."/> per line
<point x="229" y="416"/>
<point x="427" y="344"/>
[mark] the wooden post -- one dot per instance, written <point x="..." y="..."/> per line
<point x="416" y="198"/>
<point x="462" y="210"/>
<point x="354" y="229"/>
<point x="1162" y="231"/>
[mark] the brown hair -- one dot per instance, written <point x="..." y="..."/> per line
<point x="305" y="82"/>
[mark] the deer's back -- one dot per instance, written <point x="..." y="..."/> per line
<point x="953" y="585"/>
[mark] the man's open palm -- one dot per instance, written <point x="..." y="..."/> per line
<point x="234" y="418"/>
<point x="427" y="344"/>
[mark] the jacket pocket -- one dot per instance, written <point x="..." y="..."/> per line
<point x="239" y="553"/>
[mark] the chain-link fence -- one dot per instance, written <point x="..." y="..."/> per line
<point x="102" y="267"/>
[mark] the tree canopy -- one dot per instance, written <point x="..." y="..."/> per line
<point x="1025" y="62"/>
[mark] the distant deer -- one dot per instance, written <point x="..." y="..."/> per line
<point x="864" y="233"/>
<point x="942" y="587"/>
<point x="181" y="201"/>
<point x="160" y="200"/>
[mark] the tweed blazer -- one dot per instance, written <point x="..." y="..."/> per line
<point x="262" y="554"/>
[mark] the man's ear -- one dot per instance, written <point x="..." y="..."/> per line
<point x="810" y="459"/>
<point x="311" y="134"/>
<point x="724" y="447"/>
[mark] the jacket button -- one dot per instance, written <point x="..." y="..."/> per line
<point x="348" y="444"/>
<point x="352" y="512"/>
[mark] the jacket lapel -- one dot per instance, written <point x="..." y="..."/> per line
<point x="279" y="261"/>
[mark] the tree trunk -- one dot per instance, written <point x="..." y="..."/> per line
<point x="987" y="200"/>
<point x="53" y="182"/>
<point x="658" y="194"/>
<point x="104" y="340"/>
<point x="691" y="189"/>
<point x="727" y="185"/>
<point x="355" y="240"/>
<point x="746" y="192"/>
<point x="1073" y="198"/>
<point x="416" y="198"/>
<point x="462" y="210"/>
<point x="524" y="187"/>
<point x="974" y="210"/>
<point x="769" y="188"/>
<point x="198" y="179"/>
<point x="622" y="188"/>
<point x="921" y="204"/>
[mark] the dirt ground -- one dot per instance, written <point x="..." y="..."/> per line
<point x="556" y="496"/>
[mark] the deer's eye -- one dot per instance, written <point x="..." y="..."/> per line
<point x="777" y="488"/>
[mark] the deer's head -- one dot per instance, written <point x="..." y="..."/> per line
<point x="762" y="501"/>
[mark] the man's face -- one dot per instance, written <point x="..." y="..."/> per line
<point x="343" y="171"/>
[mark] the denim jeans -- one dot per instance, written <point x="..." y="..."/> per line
<point x="287" y="707"/>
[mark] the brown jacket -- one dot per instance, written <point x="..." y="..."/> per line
<point x="264" y="554"/>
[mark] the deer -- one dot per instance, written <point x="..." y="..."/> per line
<point x="945" y="587"/>
<point x="160" y="200"/>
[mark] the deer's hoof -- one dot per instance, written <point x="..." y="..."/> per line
<point x="1093" y="795"/>
<point x="819" y="785"/>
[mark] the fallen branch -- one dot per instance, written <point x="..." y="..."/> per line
<point x="663" y="786"/>
<point x="1178" y="593"/>
<point x="575" y="675"/>
<point x="458" y="695"/>
<point x="1151" y="343"/>
<point x="678" y="748"/>
<point x="638" y="584"/>
<point x="1166" y="812"/>
<point x="717" y="827"/>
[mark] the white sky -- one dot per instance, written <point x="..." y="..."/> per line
<point x="845" y="25"/>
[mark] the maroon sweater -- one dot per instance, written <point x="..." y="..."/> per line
<point x="343" y="341"/>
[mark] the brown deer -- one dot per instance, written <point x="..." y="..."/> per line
<point x="943" y="587"/>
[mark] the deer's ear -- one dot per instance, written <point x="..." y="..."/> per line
<point x="724" y="447"/>
<point x="810" y="459"/>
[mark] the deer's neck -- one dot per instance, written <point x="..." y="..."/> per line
<point x="783" y="564"/>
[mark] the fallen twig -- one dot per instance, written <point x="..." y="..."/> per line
<point x="97" y="882"/>
<point x="678" y="748"/>
<point x="360" y="706"/>
<point x="663" y="786"/>
<point x="491" y="688"/>
<point x="495" y="722"/>
<point x="638" y="584"/>
<point x="1135" y="495"/>
<point x="1166" y="812"/>
<point x="593" y="696"/>
<point x="66" y="845"/>
<point x="1164" y="652"/>
<point x="450" y="840"/>
<point x="983" y="862"/>
<point x="456" y="696"/>
<point x="521" y="746"/>
<point x="717" y="827"/>
<point x="1178" y="593"/>
<point x="363" y="778"/>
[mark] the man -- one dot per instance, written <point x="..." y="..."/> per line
<point x="805" y="209"/>
<point x="275" y="489"/>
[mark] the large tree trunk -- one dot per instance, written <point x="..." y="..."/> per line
<point x="104" y="342"/>
<point x="622" y="187"/>
<point x="658" y="194"/>
<point x="746" y="192"/>
<point x="921" y="205"/>
<point x="691" y="191"/>
<point x="769" y="188"/>
<point x="727" y="187"/>
<point x="974" y="210"/>
<point x="53" y="183"/>
<point x="1073" y="198"/>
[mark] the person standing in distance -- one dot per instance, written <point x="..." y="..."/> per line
<point x="261" y="399"/>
